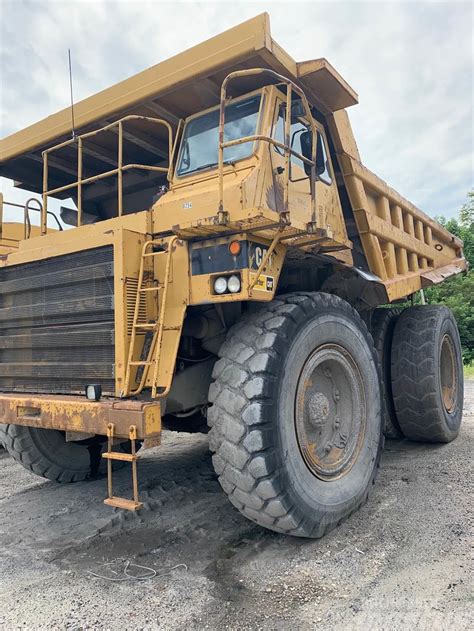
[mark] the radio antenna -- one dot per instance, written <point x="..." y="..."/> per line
<point x="73" y="131"/>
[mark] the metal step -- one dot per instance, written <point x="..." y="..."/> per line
<point x="121" y="502"/>
<point x="120" y="455"/>
<point x="110" y="455"/>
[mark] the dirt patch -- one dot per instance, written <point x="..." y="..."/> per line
<point x="403" y="561"/>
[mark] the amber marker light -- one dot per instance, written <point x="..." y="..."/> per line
<point x="234" y="248"/>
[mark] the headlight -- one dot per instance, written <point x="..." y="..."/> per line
<point x="93" y="392"/>
<point x="220" y="285"/>
<point x="233" y="284"/>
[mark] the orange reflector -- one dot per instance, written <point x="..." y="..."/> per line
<point x="234" y="248"/>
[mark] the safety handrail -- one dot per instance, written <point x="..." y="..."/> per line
<point x="288" y="151"/>
<point x="26" y="214"/>
<point x="157" y="328"/>
<point x="118" y="171"/>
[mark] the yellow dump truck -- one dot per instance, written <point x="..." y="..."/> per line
<point x="226" y="259"/>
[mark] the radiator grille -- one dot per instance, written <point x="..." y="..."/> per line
<point x="131" y="289"/>
<point x="57" y="324"/>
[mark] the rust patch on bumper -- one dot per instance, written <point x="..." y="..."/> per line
<point x="77" y="414"/>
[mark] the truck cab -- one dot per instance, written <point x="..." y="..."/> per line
<point x="254" y="171"/>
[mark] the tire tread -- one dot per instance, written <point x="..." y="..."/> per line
<point x="253" y="483"/>
<point x="414" y="374"/>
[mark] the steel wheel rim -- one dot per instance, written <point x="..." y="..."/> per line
<point x="330" y="412"/>
<point x="448" y="374"/>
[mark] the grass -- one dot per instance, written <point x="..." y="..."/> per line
<point x="469" y="371"/>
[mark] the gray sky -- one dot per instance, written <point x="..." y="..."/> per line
<point x="410" y="62"/>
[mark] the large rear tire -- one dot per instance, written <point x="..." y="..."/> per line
<point x="427" y="374"/>
<point x="46" y="453"/>
<point x="382" y="326"/>
<point x="296" y="414"/>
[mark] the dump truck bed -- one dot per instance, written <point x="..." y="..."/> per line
<point x="175" y="88"/>
<point x="404" y="249"/>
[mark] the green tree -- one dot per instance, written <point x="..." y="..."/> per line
<point x="466" y="216"/>
<point x="457" y="293"/>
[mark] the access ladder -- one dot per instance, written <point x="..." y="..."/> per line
<point x="167" y="325"/>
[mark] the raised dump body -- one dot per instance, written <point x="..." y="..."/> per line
<point x="225" y="176"/>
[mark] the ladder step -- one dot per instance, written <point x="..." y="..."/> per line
<point x="155" y="325"/>
<point x="148" y="254"/>
<point x="119" y="455"/>
<point x="140" y="363"/>
<point x="155" y="288"/>
<point x="121" y="502"/>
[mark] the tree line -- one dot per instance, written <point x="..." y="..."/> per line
<point x="457" y="292"/>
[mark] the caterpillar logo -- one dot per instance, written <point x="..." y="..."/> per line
<point x="264" y="282"/>
<point x="257" y="253"/>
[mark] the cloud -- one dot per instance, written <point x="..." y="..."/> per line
<point x="410" y="62"/>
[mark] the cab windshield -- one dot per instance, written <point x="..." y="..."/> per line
<point x="200" y="140"/>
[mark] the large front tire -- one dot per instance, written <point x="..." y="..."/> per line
<point x="295" y="419"/>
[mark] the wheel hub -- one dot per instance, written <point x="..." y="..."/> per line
<point x="330" y="412"/>
<point x="448" y="374"/>
<point x="318" y="409"/>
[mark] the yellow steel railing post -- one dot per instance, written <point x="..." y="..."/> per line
<point x="44" y="210"/>
<point x="119" y="167"/>
<point x="79" y="181"/>
<point x="220" y="151"/>
<point x="287" y="149"/>
<point x="1" y="214"/>
<point x="313" y="172"/>
<point x="26" y="221"/>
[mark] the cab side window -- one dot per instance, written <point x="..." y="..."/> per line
<point x="297" y="128"/>
<point x="279" y="131"/>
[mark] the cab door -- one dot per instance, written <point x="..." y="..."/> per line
<point x="328" y="207"/>
<point x="299" y="189"/>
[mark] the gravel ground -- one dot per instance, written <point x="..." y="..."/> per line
<point x="403" y="561"/>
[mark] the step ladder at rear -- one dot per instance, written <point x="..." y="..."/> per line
<point x="132" y="458"/>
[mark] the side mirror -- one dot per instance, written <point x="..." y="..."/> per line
<point x="297" y="109"/>
<point x="307" y="150"/>
<point x="320" y="157"/>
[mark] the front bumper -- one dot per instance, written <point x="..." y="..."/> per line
<point x="77" y="414"/>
